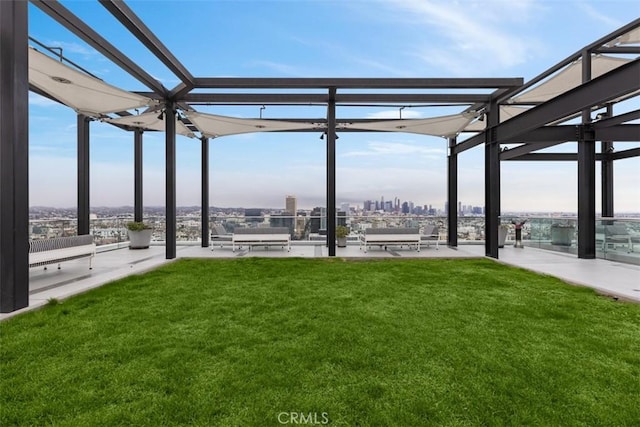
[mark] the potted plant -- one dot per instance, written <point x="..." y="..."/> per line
<point x="139" y="235"/>
<point x="502" y="235"/>
<point x="562" y="234"/>
<point x="341" y="236"/>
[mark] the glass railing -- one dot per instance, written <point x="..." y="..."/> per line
<point x="616" y="238"/>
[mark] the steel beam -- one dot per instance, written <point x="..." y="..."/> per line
<point x="204" y="188"/>
<point x="600" y="90"/>
<point x="138" y="202"/>
<point x="469" y="143"/>
<point x="74" y="24"/>
<point x="617" y="120"/>
<point x="331" y="173"/>
<point x="321" y="98"/>
<point x="355" y="83"/>
<point x="130" y="20"/>
<point x="514" y="153"/>
<point x="625" y="154"/>
<point x="14" y="157"/>
<point x="568" y="60"/>
<point x="170" y="179"/>
<point x="452" y="195"/>
<point x="618" y="133"/>
<point x="83" y="174"/>
<point x="551" y="157"/>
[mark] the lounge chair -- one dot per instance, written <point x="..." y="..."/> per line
<point x="430" y="234"/>
<point x="219" y="235"/>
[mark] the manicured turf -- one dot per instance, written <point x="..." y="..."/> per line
<point x="369" y="343"/>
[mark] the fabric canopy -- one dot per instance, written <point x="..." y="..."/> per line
<point x="211" y="125"/>
<point x="444" y="126"/>
<point x="632" y="37"/>
<point x="85" y="94"/>
<point x="506" y="112"/>
<point x="150" y="121"/>
<point x="569" y="78"/>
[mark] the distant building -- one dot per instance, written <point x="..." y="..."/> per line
<point x="253" y="216"/>
<point x="291" y="205"/>
<point x="283" y="220"/>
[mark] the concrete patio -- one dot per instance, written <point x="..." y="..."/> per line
<point x="609" y="278"/>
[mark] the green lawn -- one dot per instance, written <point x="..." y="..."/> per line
<point x="360" y="343"/>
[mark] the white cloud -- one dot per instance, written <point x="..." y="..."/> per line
<point x="592" y="13"/>
<point x="396" y="148"/>
<point x="470" y="32"/>
<point x="41" y="101"/>
<point x="395" y="114"/>
<point x="285" y="69"/>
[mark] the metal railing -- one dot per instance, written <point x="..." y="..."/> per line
<point x="616" y="238"/>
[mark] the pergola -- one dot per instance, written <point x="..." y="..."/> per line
<point x="513" y="120"/>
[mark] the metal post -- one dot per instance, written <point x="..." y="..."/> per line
<point x="137" y="176"/>
<point x="607" y="174"/>
<point x="452" y="195"/>
<point x="205" y="192"/>
<point x="331" y="172"/>
<point x="586" y="193"/>
<point x="492" y="183"/>
<point x="14" y="157"/>
<point x="83" y="174"/>
<point x="170" y="186"/>
<point x="586" y="176"/>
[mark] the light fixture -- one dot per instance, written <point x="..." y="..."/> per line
<point x="401" y="108"/>
<point x="481" y="118"/>
<point x="261" y="109"/>
<point x="161" y="115"/>
<point x="61" y="80"/>
<point x="322" y="135"/>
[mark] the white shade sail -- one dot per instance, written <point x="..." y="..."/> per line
<point x="632" y="37"/>
<point x="506" y="112"/>
<point x="85" y="94"/>
<point x="150" y="121"/>
<point x="444" y="126"/>
<point x="569" y="78"/>
<point x="211" y="125"/>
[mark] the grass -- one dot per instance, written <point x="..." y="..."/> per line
<point x="360" y="343"/>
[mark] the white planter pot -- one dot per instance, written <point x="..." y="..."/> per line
<point x="502" y="236"/>
<point x="139" y="239"/>
<point x="342" y="242"/>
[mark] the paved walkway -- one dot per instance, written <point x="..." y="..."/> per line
<point x="608" y="277"/>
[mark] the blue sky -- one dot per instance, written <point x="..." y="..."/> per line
<point x="321" y="38"/>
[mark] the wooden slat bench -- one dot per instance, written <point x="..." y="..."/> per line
<point x="266" y="236"/>
<point x="390" y="236"/>
<point x="61" y="249"/>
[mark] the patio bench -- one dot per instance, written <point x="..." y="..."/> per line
<point x="612" y="236"/>
<point x="266" y="236"/>
<point x="61" y="249"/>
<point x="431" y="233"/>
<point x="390" y="236"/>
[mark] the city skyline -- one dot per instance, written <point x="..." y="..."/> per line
<point x="374" y="39"/>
